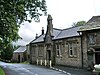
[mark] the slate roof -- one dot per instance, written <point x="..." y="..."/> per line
<point x="41" y="37"/>
<point x="69" y="32"/>
<point x="20" y="49"/>
<point x="56" y="32"/>
<point x="59" y="34"/>
<point x="93" y="23"/>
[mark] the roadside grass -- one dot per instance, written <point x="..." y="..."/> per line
<point x="1" y="71"/>
<point x="25" y="62"/>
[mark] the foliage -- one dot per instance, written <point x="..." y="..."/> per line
<point x="7" y="53"/>
<point x="12" y="14"/>
<point x="1" y="71"/>
<point x="79" y="23"/>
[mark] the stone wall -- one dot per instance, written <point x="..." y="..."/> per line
<point x="15" y="57"/>
<point x="67" y="60"/>
<point x="89" y="44"/>
<point x="84" y="48"/>
<point x="36" y="56"/>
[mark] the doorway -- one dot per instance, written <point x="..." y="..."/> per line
<point x="48" y="54"/>
<point x="97" y="56"/>
<point x="18" y="58"/>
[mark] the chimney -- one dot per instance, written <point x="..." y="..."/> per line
<point x="36" y="36"/>
<point x="42" y="30"/>
<point x="50" y="25"/>
<point x="49" y="19"/>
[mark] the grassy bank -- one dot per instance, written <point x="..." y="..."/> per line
<point x="1" y="71"/>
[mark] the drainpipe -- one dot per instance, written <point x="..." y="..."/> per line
<point x="81" y="49"/>
<point x="30" y="54"/>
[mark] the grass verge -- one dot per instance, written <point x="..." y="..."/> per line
<point x="1" y="71"/>
<point x="25" y="62"/>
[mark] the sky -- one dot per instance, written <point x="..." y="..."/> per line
<point x="64" y="14"/>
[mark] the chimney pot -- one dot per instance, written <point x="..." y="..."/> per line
<point x="42" y="30"/>
<point x="36" y="36"/>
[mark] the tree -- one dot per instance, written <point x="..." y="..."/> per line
<point x="7" y="53"/>
<point x="13" y="13"/>
<point x="79" y="23"/>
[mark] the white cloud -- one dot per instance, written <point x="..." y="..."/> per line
<point x="64" y="13"/>
<point x="97" y="6"/>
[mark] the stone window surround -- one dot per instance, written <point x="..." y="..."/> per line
<point x="72" y="49"/>
<point x="92" y="38"/>
<point x="62" y="46"/>
<point x="40" y="50"/>
<point x="58" y="50"/>
<point x="33" y="51"/>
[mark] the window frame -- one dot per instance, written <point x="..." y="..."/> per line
<point x="58" y="50"/>
<point x="40" y="50"/>
<point x="71" y="49"/>
<point x="33" y="51"/>
<point x="91" y="38"/>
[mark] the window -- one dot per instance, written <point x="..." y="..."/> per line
<point x="72" y="49"/>
<point x="75" y="49"/>
<point x="66" y="47"/>
<point x="62" y="47"/>
<point x="40" y="50"/>
<point x="92" y="38"/>
<point x="58" y="49"/>
<point x="34" y="51"/>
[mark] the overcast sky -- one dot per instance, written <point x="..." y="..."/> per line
<point x="64" y="13"/>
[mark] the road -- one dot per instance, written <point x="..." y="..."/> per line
<point x="27" y="69"/>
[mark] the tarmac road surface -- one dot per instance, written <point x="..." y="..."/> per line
<point x="27" y="69"/>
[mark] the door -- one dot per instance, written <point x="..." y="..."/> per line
<point x="97" y="56"/>
<point x="48" y="55"/>
<point x="18" y="58"/>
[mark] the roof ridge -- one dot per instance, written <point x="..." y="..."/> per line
<point x="97" y="16"/>
<point x="57" y="29"/>
<point x="92" y="18"/>
<point x="71" y="27"/>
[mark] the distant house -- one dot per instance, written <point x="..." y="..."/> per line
<point x="75" y="46"/>
<point x="19" y="55"/>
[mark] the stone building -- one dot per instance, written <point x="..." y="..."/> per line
<point x="21" y="54"/>
<point x="91" y="41"/>
<point x="70" y="47"/>
<point x="27" y="53"/>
